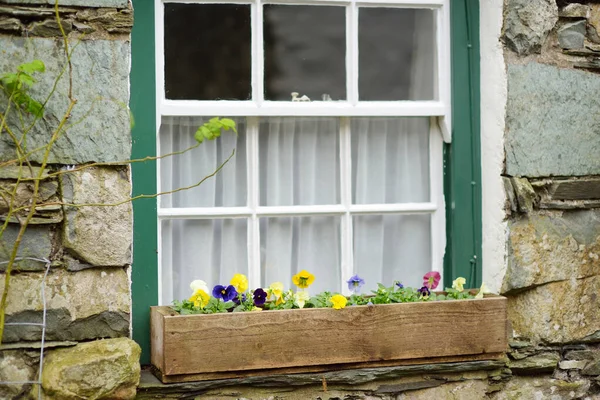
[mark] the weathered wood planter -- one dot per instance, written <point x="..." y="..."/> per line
<point x="218" y="346"/>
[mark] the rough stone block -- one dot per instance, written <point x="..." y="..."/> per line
<point x="539" y="363"/>
<point x="572" y="364"/>
<point x="83" y="305"/>
<point x="36" y="243"/>
<point x="572" y="35"/>
<point x="552" y="246"/>
<point x="16" y="366"/>
<point x="553" y="128"/>
<point x="527" y="24"/>
<point x="525" y="195"/>
<point x="104" y="369"/>
<point x="48" y="210"/>
<point x="98" y="235"/>
<point x="101" y="87"/>
<point x="574" y="10"/>
<point x="592" y="368"/>
<point x="542" y="388"/>
<point x="558" y="312"/>
<point x="81" y="3"/>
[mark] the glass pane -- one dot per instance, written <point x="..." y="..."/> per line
<point x="390" y="248"/>
<point x="211" y="250"/>
<point x="299" y="161"/>
<point x="291" y="244"/>
<point x="226" y="189"/>
<point x="305" y="52"/>
<point x="396" y="54"/>
<point x="207" y="52"/>
<point x="390" y="160"/>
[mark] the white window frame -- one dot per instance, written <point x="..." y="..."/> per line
<point x="437" y="110"/>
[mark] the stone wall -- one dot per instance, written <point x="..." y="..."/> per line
<point x="87" y="289"/>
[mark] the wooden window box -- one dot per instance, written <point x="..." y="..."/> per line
<point x="219" y="346"/>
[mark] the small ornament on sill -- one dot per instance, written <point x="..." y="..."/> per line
<point x="296" y="98"/>
<point x="326" y="97"/>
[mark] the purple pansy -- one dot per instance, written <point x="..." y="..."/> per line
<point x="226" y="293"/>
<point x="259" y="296"/>
<point x="236" y="299"/>
<point x="400" y="285"/>
<point x="424" y="291"/>
<point x="355" y="283"/>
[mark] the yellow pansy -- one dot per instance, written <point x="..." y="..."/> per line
<point x="458" y="284"/>
<point x="303" y="279"/>
<point x="256" y="309"/>
<point x="239" y="282"/>
<point x="275" y="289"/>
<point x="200" y="298"/>
<point x="482" y="290"/>
<point x="338" y="301"/>
<point x="301" y="298"/>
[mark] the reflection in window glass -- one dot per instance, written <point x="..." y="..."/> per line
<point x="207" y="52"/>
<point x="390" y="248"/>
<point x="299" y="161"/>
<point x="211" y="250"/>
<point x="291" y="244"/>
<point x="390" y="160"/>
<point x="396" y="54"/>
<point x="305" y="52"/>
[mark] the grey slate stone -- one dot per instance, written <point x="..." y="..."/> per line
<point x="553" y="127"/>
<point x="36" y="243"/>
<point x="81" y="3"/>
<point x="527" y="24"/>
<point x="572" y="35"/>
<point x="574" y="10"/>
<point x="101" y="87"/>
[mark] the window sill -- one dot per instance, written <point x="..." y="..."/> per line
<point x="222" y="346"/>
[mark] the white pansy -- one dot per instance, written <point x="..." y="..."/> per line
<point x="199" y="284"/>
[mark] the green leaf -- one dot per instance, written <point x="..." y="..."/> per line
<point x="228" y="124"/>
<point x="199" y="136"/>
<point x="34" y="66"/>
<point x="35" y="108"/>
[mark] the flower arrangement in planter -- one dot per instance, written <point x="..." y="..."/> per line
<point x="234" y="332"/>
<point x="235" y="297"/>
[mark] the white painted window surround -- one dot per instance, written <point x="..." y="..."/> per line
<point x="182" y="258"/>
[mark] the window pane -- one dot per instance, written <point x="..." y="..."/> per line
<point x="289" y="245"/>
<point x="305" y="52"/>
<point x="211" y="250"/>
<point x="299" y="161"/>
<point x="390" y="160"/>
<point x="226" y="189"/>
<point x="390" y="248"/>
<point x="207" y="52"/>
<point x="396" y="54"/>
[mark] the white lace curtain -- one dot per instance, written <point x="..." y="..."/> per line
<point x="299" y="165"/>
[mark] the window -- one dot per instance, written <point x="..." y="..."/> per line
<point x="341" y="107"/>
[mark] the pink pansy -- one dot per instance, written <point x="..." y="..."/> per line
<point x="431" y="279"/>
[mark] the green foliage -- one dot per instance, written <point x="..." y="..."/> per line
<point x="17" y="84"/>
<point x="212" y="129"/>
<point x="214" y="306"/>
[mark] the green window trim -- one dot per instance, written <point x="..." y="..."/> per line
<point x="462" y="166"/>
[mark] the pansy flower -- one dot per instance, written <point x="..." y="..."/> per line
<point x="199" y="285"/>
<point x="239" y="282"/>
<point x="458" y="284"/>
<point x="431" y="280"/>
<point x="303" y="279"/>
<point x="399" y="285"/>
<point x="338" y="301"/>
<point x="355" y="283"/>
<point x="301" y="297"/>
<point x="482" y="290"/>
<point x="275" y="289"/>
<point x="226" y="293"/>
<point x="259" y="296"/>
<point x="424" y="292"/>
<point x="236" y="299"/>
<point x="200" y="298"/>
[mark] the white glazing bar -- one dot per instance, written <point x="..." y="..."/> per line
<point x="258" y="55"/>
<point x="253" y="203"/>
<point x="347" y="255"/>
<point x="436" y="190"/>
<point x="444" y="67"/>
<point x="335" y="209"/>
<point x="404" y="3"/>
<point x="313" y="108"/>
<point x="353" y="56"/>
